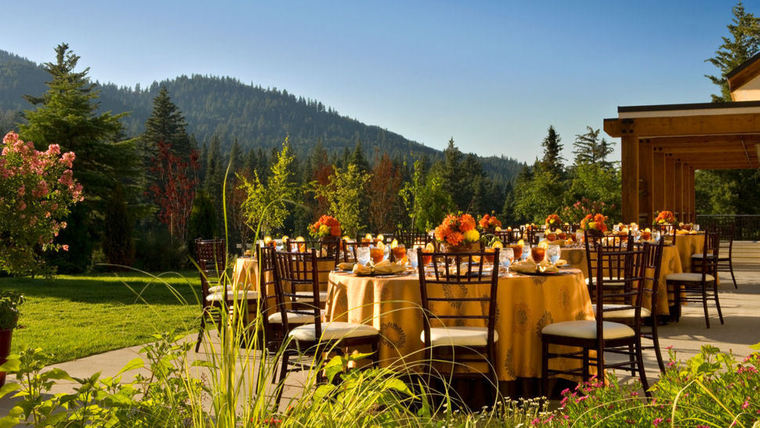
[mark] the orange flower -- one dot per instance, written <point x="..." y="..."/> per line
<point x="332" y="227"/>
<point x="455" y="238"/>
<point x="467" y="223"/>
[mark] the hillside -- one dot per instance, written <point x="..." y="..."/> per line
<point x="230" y="109"/>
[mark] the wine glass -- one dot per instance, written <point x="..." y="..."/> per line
<point x="525" y="252"/>
<point x="656" y="235"/>
<point x="411" y="256"/>
<point x="696" y="227"/>
<point x="362" y="255"/>
<point x="553" y="253"/>
<point x="506" y="257"/>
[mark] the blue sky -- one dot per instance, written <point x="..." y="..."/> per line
<point x="491" y="74"/>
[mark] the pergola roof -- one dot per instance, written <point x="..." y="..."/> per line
<point x="704" y="136"/>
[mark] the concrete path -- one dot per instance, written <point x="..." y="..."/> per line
<point x="741" y="309"/>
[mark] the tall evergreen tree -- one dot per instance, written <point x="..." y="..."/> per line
<point x="552" y="159"/>
<point x="67" y="115"/>
<point x="589" y="149"/>
<point x="165" y="124"/>
<point x="357" y="158"/>
<point x="454" y="176"/>
<point x="743" y="43"/>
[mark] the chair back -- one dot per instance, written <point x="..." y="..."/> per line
<point x="211" y="256"/>
<point x="652" y="268"/>
<point x="509" y="236"/>
<point x="727" y="233"/>
<point x="413" y="238"/>
<point x="466" y="272"/>
<point x="630" y="292"/>
<point x="297" y="272"/>
<point x="710" y="254"/>
<point x="613" y="263"/>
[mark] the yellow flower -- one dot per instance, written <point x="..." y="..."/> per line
<point x="324" y="230"/>
<point x="471" y="235"/>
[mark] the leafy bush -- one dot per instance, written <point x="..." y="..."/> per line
<point x="710" y="389"/>
<point x="9" y="303"/>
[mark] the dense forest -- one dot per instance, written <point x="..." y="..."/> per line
<point x="227" y="109"/>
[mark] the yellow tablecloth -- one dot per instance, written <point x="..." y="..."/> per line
<point x="245" y="274"/>
<point x="671" y="263"/>
<point x="525" y="304"/>
<point x="688" y="245"/>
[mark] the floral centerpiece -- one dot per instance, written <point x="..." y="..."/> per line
<point x="458" y="233"/>
<point x="665" y="217"/>
<point x="36" y="191"/>
<point x="594" y="223"/>
<point x="553" y="222"/>
<point x="326" y="227"/>
<point x="489" y="224"/>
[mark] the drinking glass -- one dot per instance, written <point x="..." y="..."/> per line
<point x="656" y="236"/>
<point x="517" y="251"/>
<point x="362" y="255"/>
<point x="553" y="253"/>
<point x="525" y="252"/>
<point x="696" y="227"/>
<point x="399" y="252"/>
<point x="377" y="254"/>
<point x="578" y="236"/>
<point x="412" y="258"/>
<point x="538" y="254"/>
<point x="506" y="257"/>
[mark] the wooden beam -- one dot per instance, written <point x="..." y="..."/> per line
<point x="700" y="140"/>
<point x="629" y="165"/>
<point x="733" y="148"/>
<point x="722" y="124"/>
<point x="645" y="182"/>
<point x="658" y="180"/>
<point x="692" y="197"/>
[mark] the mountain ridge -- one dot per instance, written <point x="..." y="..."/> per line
<point x="232" y="110"/>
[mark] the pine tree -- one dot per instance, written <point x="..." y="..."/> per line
<point x="743" y="43"/>
<point x="357" y="158"/>
<point x="165" y="124"/>
<point x="588" y="149"/>
<point x="67" y="115"/>
<point x="552" y="159"/>
<point x="453" y="176"/>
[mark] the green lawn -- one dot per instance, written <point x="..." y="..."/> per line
<point x="72" y="316"/>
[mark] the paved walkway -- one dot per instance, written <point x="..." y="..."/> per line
<point x="741" y="310"/>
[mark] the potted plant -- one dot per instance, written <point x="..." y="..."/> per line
<point x="327" y="230"/>
<point x="9" y="303"/>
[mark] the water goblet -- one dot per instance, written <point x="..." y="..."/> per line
<point x="526" y="252"/>
<point x="362" y="255"/>
<point x="696" y="227"/>
<point x="411" y="256"/>
<point x="506" y="257"/>
<point x="553" y="253"/>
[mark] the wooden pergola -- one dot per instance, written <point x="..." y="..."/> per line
<point x="663" y="145"/>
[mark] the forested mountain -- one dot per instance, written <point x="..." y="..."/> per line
<point x="231" y="110"/>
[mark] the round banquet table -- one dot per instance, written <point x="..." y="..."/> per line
<point x="525" y="304"/>
<point x="675" y="259"/>
<point x="245" y="274"/>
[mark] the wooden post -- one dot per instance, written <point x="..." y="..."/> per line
<point x="658" y="181"/>
<point x="670" y="184"/>
<point x="645" y="181"/>
<point x="629" y="165"/>
<point x="678" y="190"/>
<point x="691" y="193"/>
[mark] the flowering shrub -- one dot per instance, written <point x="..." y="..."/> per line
<point x="665" y="217"/>
<point x="710" y="389"/>
<point x="594" y="222"/>
<point x="489" y="223"/>
<point x="553" y="221"/>
<point x="580" y="209"/>
<point x="36" y="191"/>
<point x="324" y="227"/>
<point x="457" y="230"/>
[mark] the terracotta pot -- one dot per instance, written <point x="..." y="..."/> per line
<point x="5" y="350"/>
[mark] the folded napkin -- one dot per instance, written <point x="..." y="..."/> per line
<point x="360" y="269"/>
<point x="386" y="267"/>
<point x="346" y="266"/>
<point x="526" y="266"/>
<point x="547" y="267"/>
<point x="560" y="263"/>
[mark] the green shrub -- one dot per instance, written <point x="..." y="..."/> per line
<point x="710" y="389"/>
<point x="9" y="303"/>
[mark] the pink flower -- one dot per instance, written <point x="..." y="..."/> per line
<point x="746" y="404"/>
<point x="21" y="190"/>
<point x="657" y="421"/>
<point x="65" y="247"/>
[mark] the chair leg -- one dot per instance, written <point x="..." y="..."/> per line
<point x="283" y="375"/>
<point x="585" y="377"/>
<point x="200" y="333"/>
<point x="704" y="304"/>
<point x="600" y="364"/>
<point x="717" y="302"/>
<point x="632" y="359"/>
<point x="642" y="369"/>
<point x="656" y="343"/>
<point x="731" y="269"/>
<point x="545" y="369"/>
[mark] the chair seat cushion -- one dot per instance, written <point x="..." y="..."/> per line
<point x="688" y="277"/>
<point x="459" y="336"/>
<point x="586" y="329"/>
<point x="701" y="256"/>
<point x="333" y="331"/>
<point x="307" y="296"/>
<point x="607" y="279"/>
<point x="614" y="310"/>
<point x="241" y="295"/>
<point x="293" y="317"/>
